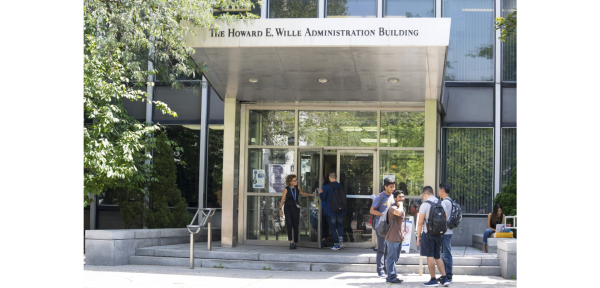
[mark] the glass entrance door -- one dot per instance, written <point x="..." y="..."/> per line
<point x="310" y="178"/>
<point x="357" y="175"/>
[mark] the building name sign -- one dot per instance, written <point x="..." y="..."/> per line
<point x="282" y="32"/>
<point x="324" y="32"/>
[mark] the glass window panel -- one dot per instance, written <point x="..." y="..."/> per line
<point x="187" y="161"/>
<point x="402" y="129"/>
<point x="471" y="50"/>
<point x="263" y="220"/>
<point x="293" y="8"/>
<point x="509" y="153"/>
<point x="351" y="8"/>
<point x="409" y="8"/>
<point x="509" y="46"/>
<point x="271" y="127"/>
<point x="338" y="128"/>
<point x="356" y="173"/>
<point x="357" y="227"/>
<point x="214" y="169"/>
<point x="407" y="167"/>
<point x="411" y="206"/>
<point x="468" y="167"/>
<point x="273" y="165"/>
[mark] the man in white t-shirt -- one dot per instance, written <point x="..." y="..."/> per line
<point x="444" y="191"/>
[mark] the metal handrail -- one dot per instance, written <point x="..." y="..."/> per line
<point x="207" y="219"/>
<point x="514" y="221"/>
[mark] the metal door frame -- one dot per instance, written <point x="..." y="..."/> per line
<point x="297" y="170"/>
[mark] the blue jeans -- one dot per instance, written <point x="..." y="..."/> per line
<point x="487" y="234"/>
<point x="447" y="254"/>
<point x="381" y="255"/>
<point x="393" y="254"/>
<point x="336" y="227"/>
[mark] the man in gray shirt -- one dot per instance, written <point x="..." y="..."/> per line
<point x="444" y="191"/>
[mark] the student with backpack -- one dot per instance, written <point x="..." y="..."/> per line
<point x="429" y="236"/>
<point x="334" y="207"/>
<point x="454" y="213"/>
<point x="379" y="206"/>
<point x="394" y="236"/>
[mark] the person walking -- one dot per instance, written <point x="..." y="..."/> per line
<point x="444" y="192"/>
<point x="291" y="200"/>
<point x="430" y="244"/>
<point x="377" y="208"/>
<point x="334" y="220"/>
<point x="394" y="237"/>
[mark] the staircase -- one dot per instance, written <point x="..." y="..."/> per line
<point x="467" y="260"/>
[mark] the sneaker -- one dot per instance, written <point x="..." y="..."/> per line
<point x="291" y="245"/>
<point x="342" y="245"/>
<point x="382" y="275"/>
<point x="295" y="246"/>
<point x="444" y="282"/>
<point x="335" y="247"/>
<point x="395" y="281"/>
<point x="440" y="279"/>
<point x="432" y="283"/>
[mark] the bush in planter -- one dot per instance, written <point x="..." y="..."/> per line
<point x="508" y="198"/>
<point x="163" y="192"/>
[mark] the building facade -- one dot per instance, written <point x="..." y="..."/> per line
<point x="421" y="91"/>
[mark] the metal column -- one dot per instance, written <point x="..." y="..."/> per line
<point x="203" y="145"/>
<point x="497" y="103"/>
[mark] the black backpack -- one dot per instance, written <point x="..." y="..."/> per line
<point x="436" y="224"/>
<point x="455" y="214"/>
<point x="338" y="203"/>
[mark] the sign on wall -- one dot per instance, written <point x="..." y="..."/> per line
<point x="258" y="178"/>
<point x="325" y="32"/>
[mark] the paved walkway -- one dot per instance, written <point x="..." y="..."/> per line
<point x="163" y="276"/>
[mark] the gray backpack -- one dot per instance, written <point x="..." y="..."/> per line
<point x="382" y="224"/>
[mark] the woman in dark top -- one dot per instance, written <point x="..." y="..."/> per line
<point x="496" y="217"/>
<point x="291" y="200"/>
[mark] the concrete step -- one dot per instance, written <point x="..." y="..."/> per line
<point x="492" y="243"/>
<point x="411" y="259"/>
<point x="301" y="266"/>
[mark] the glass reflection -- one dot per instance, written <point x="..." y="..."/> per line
<point x="406" y="167"/>
<point x="338" y="128"/>
<point x="293" y="8"/>
<point x="271" y="127"/>
<point x="471" y="50"/>
<point x="402" y="129"/>
<point x="468" y="166"/>
<point x="356" y="173"/>
<point x="357" y="220"/>
<point x="351" y="8"/>
<point x="267" y="169"/>
<point x="409" y="8"/>
<point x="263" y="220"/>
<point x="509" y="47"/>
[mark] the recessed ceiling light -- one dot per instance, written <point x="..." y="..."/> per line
<point x="253" y="80"/>
<point x="393" y="80"/>
<point x="323" y="80"/>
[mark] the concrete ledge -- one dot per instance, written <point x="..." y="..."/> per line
<point x="255" y="265"/>
<point x="163" y="261"/>
<point x="507" y="256"/>
<point x="115" y="247"/>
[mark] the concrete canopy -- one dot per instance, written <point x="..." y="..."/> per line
<point x="286" y="60"/>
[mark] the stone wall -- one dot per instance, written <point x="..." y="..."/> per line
<point x="463" y="235"/>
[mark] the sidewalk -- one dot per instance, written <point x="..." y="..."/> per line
<point x="170" y="276"/>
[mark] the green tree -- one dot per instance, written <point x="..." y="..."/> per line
<point x="507" y="26"/>
<point x="163" y="192"/>
<point x="508" y="197"/>
<point x="127" y="45"/>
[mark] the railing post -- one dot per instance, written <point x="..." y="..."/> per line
<point x="209" y="232"/>
<point x="191" y="251"/>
